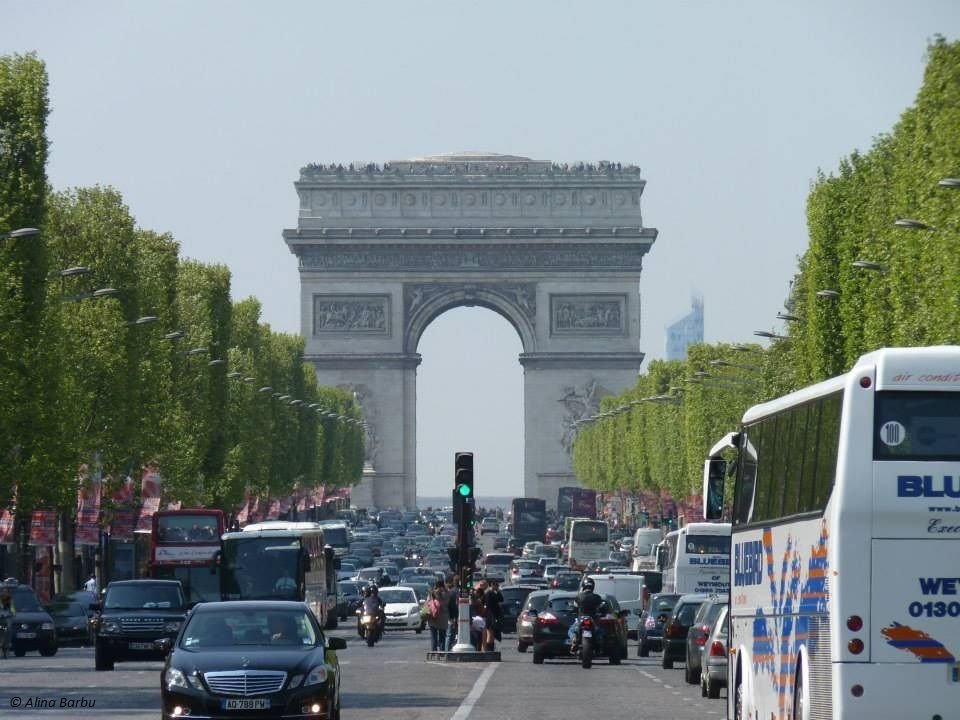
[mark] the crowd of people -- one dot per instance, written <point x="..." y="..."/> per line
<point x="486" y="615"/>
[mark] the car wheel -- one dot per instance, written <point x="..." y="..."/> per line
<point x="418" y="630"/>
<point x="48" y="651"/>
<point x="643" y="650"/>
<point x="667" y="661"/>
<point x="101" y="659"/>
<point x="19" y="652"/>
<point x="703" y="684"/>
<point x="688" y="674"/>
<point x="537" y="657"/>
<point x="713" y="691"/>
<point x="522" y="646"/>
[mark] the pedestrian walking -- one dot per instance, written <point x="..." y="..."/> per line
<point x="454" y="611"/>
<point x="438" y="616"/>
<point x="91" y="584"/>
<point x="477" y="621"/>
<point x="493" y="615"/>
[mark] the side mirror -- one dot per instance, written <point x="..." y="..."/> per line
<point x="714" y="474"/>
<point x="163" y="645"/>
<point x="335" y="643"/>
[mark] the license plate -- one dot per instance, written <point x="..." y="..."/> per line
<point x="141" y="646"/>
<point x="587" y="633"/>
<point x="246" y="704"/>
<point x="26" y="636"/>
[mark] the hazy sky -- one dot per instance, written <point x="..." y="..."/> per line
<point x="202" y="113"/>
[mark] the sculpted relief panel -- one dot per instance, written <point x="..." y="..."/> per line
<point x="521" y="295"/>
<point x="588" y="314"/>
<point x="368" y="314"/>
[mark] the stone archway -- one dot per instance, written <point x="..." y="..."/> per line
<point x="556" y="250"/>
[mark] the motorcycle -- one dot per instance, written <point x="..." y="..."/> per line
<point x="370" y="628"/>
<point x="587" y="636"/>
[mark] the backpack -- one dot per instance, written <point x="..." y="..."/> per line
<point x="433" y="607"/>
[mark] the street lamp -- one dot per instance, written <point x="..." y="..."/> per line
<point x="869" y="265"/>
<point x="217" y="361"/>
<point x="197" y="351"/>
<point x="20" y="233"/>
<point x="787" y="316"/>
<point x="950" y="182"/>
<point x="144" y="320"/>
<point x="768" y="334"/>
<point x="828" y="293"/>
<point x="724" y="363"/>
<point x="175" y="335"/>
<point x="912" y="224"/>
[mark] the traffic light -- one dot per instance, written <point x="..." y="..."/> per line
<point x="463" y="474"/>
<point x="454" y="555"/>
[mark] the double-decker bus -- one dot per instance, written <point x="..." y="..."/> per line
<point x="529" y="520"/>
<point x="845" y="600"/>
<point x="280" y="560"/>
<point x="183" y="546"/>
<point x="696" y="559"/>
<point x="586" y="540"/>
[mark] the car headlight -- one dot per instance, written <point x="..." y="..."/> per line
<point x="316" y="676"/>
<point x="179" y="679"/>
<point x="46" y="626"/>
<point x="172" y="626"/>
<point x="109" y="627"/>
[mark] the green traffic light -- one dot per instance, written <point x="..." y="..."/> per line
<point x="463" y="490"/>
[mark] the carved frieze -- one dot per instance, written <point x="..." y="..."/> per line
<point x="353" y="314"/>
<point x="603" y="314"/>
<point x="523" y="296"/>
<point x="614" y="256"/>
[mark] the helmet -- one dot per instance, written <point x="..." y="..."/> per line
<point x="587" y="585"/>
<point x="374" y="590"/>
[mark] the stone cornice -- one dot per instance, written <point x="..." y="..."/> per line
<point x="365" y="361"/>
<point x="585" y="360"/>
<point x="487" y="235"/>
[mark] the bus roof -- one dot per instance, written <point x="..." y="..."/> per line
<point x="270" y="533"/>
<point x="703" y="528"/>
<point x="282" y="525"/>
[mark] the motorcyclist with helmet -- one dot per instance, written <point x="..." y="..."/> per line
<point x="372" y="604"/>
<point x="587" y="603"/>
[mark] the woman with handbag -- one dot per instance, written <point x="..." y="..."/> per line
<point x="438" y="616"/>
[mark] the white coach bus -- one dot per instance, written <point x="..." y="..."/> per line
<point x="696" y="559"/>
<point x="845" y="574"/>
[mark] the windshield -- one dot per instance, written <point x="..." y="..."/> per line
<point x="708" y="544"/>
<point x="590" y="532"/>
<point x="25" y="601"/>
<point x="227" y="628"/>
<point x="335" y="536"/>
<point x="398" y="596"/>
<point x="187" y="528"/>
<point x="916" y="426"/>
<point x="136" y="597"/>
<point x="70" y="609"/>
<point x="199" y="584"/>
<point x="260" y="568"/>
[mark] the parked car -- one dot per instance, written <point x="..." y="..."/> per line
<point x="71" y="615"/>
<point x="551" y="625"/>
<point x="32" y="628"/>
<point x="293" y="665"/>
<point x="698" y="633"/>
<point x="652" y="622"/>
<point x="133" y="616"/>
<point x="514" y="596"/>
<point x="713" y="663"/>
<point x="535" y="602"/>
<point x="677" y="626"/>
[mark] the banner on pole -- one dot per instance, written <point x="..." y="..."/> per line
<point x="43" y="527"/>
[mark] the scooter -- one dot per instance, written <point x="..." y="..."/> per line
<point x="370" y="628"/>
<point x="585" y="640"/>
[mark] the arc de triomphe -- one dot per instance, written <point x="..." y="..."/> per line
<point x="556" y="250"/>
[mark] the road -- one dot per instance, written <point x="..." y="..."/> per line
<point x="391" y="681"/>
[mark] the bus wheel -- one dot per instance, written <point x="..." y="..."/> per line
<point x="799" y="697"/>
<point x="738" y="698"/>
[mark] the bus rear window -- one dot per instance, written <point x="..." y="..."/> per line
<point x="916" y="426"/>
<point x="590" y="532"/>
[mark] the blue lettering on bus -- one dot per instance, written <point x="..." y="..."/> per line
<point x="697" y="560"/>
<point x="925" y="486"/>
<point x="939" y="585"/>
<point x="748" y="563"/>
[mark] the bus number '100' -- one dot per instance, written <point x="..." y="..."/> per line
<point x="935" y="609"/>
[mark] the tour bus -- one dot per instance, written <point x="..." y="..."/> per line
<point x="337" y="535"/>
<point x="587" y="540"/>
<point x="696" y="559"/>
<point x="280" y="560"/>
<point x="846" y="534"/>
<point x="643" y="553"/>
<point x="183" y="546"/>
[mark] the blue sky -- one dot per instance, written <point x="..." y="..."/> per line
<point x="202" y="113"/>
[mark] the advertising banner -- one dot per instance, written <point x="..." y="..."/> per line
<point x="6" y="526"/>
<point x="273" y="512"/>
<point x="124" y="510"/>
<point x="243" y="513"/>
<point x="89" y="492"/>
<point x="147" y="510"/>
<point x="43" y="527"/>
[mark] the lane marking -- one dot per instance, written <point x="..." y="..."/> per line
<point x="463" y="712"/>
<point x="396" y="662"/>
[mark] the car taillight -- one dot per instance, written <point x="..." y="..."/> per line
<point x="701" y="635"/>
<point x="587" y="624"/>
<point x="717" y="649"/>
<point x="547" y="617"/>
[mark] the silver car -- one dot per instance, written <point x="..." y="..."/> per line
<point x="713" y="661"/>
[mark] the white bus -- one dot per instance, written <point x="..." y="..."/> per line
<point x="643" y="553"/>
<point x="845" y="595"/>
<point x="588" y="540"/>
<point x="696" y="559"/>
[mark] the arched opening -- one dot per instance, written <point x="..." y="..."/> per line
<point x="469" y="397"/>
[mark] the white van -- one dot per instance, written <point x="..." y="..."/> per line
<point x="629" y="592"/>
<point x="643" y="554"/>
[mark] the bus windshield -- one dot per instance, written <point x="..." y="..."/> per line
<point x="335" y="536"/>
<point x="199" y="584"/>
<point x="708" y="544"/>
<point x="917" y="426"/>
<point x="260" y="568"/>
<point x="590" y="532"/>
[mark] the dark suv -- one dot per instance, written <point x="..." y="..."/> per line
<point x="30" y="627"/>
<point x="675" y="630"/>
<point x="134" y="614"/>
<point x="698" y="634"/>
<point x="652" y="620"/>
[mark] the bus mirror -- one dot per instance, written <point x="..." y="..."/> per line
<point x="661" y="557"/>
<point x="714" y="474"/>
<point x="215" y="565"/>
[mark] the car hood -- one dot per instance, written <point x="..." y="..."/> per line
<point x="258" y="657"/>
<point x="32" y="617"/>
<point x="70" y="619"/>
<point x="401" y="607"/>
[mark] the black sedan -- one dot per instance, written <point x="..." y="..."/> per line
<point x="552" y="624"/>
<point x="650" y="628"/>
<point x="71" y="616"/>
<point x="31" y="627"/>
<point x="514" y="597"/>
<point x="252" y="658"/>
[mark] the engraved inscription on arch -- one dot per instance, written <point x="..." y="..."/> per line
<point x="367" y="314"/>
<point x="603" y="314"/>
